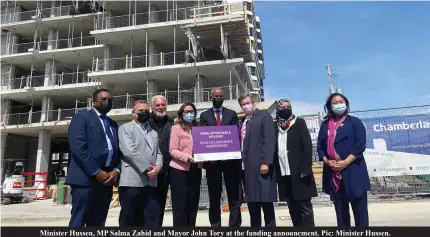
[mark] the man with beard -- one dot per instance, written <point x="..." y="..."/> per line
<point x="94" y="165"/>
<point x="162" y="124"/>
<point x="230" y="169"/>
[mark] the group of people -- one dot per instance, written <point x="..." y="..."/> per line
<point x="146" y="156"/>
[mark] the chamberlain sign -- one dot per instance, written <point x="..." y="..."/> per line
<point x="398" y="145"/>
<point x="401" y="126"/>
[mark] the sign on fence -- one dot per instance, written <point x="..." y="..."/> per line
<point x="216" y="143"/>
<point x="313" y="123"/>
<point x="398" y="145"/>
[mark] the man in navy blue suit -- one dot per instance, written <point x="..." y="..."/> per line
<point x="230" y="169"/>
<point x="94" y="167"/>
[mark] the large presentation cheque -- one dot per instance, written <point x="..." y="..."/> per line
<point x="211" y="143"/>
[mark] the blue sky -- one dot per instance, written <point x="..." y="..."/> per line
<point x="380" y="51"/>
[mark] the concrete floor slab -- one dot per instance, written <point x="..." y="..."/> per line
<point x="397" y="213"/>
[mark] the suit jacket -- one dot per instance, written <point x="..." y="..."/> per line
<point x="350" y="139"/>
<point x="88" y="145"/>
<point x="299" y="147"/>
<point x="137" y="154"/>
<point x="229" y="117"/>
<point x="258" y="149"/>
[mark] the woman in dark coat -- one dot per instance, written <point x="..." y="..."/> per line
<point x="341" y="143"/>
<point x="258" y="148"/>
<point x="293" y="162"/>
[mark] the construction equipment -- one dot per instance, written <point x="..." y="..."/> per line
<point x="13" y="188"/>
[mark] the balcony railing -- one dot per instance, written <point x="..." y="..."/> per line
<point x="39" y="81"/>
<point x="49" y="45"/>
<point x="14" y="17"/>
<point x="168" y="15"/>
<point x="40" y="117"/>
<point x="151" y="60"/>
<point x="119" y="102"/>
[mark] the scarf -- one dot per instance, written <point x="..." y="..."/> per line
<point x="332" y="130"/>
<point x="283" y="123"/>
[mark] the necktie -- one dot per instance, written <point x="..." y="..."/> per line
<point x="107" y="128"/>
<point x="243" y="132"/>
<point x="218" y="117"/>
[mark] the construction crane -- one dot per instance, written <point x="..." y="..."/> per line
<point x="331" y="75"/>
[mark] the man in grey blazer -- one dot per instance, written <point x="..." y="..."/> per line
<point x="141" y="163"/>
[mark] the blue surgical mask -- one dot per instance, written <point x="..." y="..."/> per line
<point x="189" y="117"/>
<point x="339" y="109"/>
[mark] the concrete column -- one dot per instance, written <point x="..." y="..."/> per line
<point x="107" y="23"/>
<point x="153" y="54"/>
<point x="42" y="159"/>
<point x="47" y="107"/>
<point x="11" y="43"/>
<point x="7" y="76"/>
<point x="151" y="89"/>
<point x="50" y="71"/>
<point x="106" y="58"/>
<point x="153" y="13"/>
<point x="52" y="39"/>
<point x="55" y="8"/>
<point x="199" y="94"/>
<point x="5" y="109"/>
<point x="3" y="148"/>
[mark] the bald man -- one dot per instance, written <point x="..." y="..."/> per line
<point x="230" y="169"/>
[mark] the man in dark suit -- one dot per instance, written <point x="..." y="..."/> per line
<point x="230" y="169"/>
<point x="258" y="149"/>
<point x="94" y="166"/>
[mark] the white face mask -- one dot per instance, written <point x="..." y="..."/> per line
<point x="248" y="109"/>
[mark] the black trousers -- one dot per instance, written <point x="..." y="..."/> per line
<point x="242" y="180"/>
<point x="359" y="208"/>
<point x="139" y="206"/>
<point x="185" y="195"/>
<point x="232" y="179"/>
<point x="254" y="209"/>
<point x="301" y="211"/>
<point x="162" y="189"/>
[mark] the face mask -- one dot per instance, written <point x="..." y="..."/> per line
<point x="339" y="109"/>
<point x="105" y="106"/>
<point x="142" y="117"/>
<point x="285" y="113"/>
<point x="217" y="103"/>
<point x="248" y="109"/>
<point x="189" y="117"/>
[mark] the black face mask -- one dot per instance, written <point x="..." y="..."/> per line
<point x="285" y="113"/>
<point x="143" y="117"/>
<point x="217" y="103"/>
<point x="105" y="106"/>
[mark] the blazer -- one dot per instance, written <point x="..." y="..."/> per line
<point x="181" y="147"/>
<point x="350" y="139"/>
<point x="138" y="154"/>
<point x="88" y="145"/>
<point x="299" y="146"/>
<point x="229" y="117"/>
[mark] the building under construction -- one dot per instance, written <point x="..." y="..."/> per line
<point x="54" y="54"/>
